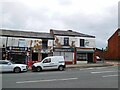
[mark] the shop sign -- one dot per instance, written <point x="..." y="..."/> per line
<point x="64" y="50"/>
<point x="18" y="48"/>
<point x="18" y="53"/>
<point x="85" y="50"/>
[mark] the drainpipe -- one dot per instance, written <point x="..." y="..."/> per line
<point x="6" y="41"/>
<point x="75" y="54"/>
<point x="94" y="55"/>
<point x="6" y="55"/>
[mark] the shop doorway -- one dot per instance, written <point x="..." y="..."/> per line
<point x="34" y="56"/>
<point x="44" y="55"/>
<point x="90" y="57"/>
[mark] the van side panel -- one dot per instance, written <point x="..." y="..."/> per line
<point x="56" y="61"/>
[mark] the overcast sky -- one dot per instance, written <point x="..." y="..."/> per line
<point x="93" y="17"/>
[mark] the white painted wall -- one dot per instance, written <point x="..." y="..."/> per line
<point x="50" y="42"/>
<point x="2" y="41"/>
<point x="89" y="42"/>
<point x="14" y="41"/>
<point x="69" y="56"/>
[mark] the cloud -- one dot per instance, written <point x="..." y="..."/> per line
<point x="13" y="14"/>
<point x="119" y="14"/>
<point x="94" y="17"/>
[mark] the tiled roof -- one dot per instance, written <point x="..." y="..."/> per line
<point x="116" y="32"/>
<point x="70" y="33"/>
<point x="25" y="34"/>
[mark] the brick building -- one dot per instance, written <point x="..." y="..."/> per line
<point x="113" y="49"/>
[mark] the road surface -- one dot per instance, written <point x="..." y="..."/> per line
<point x="97" y="77"/>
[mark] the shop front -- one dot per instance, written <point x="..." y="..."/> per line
<point x="68" y="54"/>
<point x="85" y="56"/>
<point x="39" y="54"/>
<point x="17" y="54"/>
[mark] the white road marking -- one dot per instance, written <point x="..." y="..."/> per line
<point x="110" y="76"/>
<point x="94" y="68"/>
<point x="101" y="67"/>
<point x="87" y="69"/>
<point x="103" y="72"/>
<point x="64" y="79"/>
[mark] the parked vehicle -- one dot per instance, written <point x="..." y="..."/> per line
<point x="52" y="62"/>
<point x="98" y="58"/>
<point x="9" y="66"/>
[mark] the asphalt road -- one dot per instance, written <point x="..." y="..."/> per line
<point x="97" y="77"/>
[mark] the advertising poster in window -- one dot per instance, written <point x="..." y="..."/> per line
<point x="22" y="43"/>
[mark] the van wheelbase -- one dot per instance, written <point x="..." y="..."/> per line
<point x="61" y="68"/>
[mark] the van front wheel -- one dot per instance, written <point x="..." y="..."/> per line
<point x="38" y="69"/>
<point x="61" y="68"/>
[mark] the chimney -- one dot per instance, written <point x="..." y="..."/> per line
<point x="70" y="30"/>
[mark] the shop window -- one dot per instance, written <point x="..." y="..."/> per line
<point x="18" y="57"/>
<point x="82" y="57"/>
<point x="44" y="44"/>
<point x="22" y="43"/>
<point x="56" y="53"/>
<point x="66" y="41"/>
<point x="82" y="44"/>
<point x="68" y="56"/>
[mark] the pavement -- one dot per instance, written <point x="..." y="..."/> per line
<point x="114" y="63"/>
<point x="87" y="65"/>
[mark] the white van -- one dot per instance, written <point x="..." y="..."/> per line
<point x="52" y="62"/>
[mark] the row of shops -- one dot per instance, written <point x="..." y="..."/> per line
<point x="24" y="47"/>
<point x="76" y="55"/>
<point x="25" y="55"/>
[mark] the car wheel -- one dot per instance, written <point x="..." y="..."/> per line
<point x="61" y="68"/>
<point x="38" y="69"/>
<point x="17" y="70"/>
